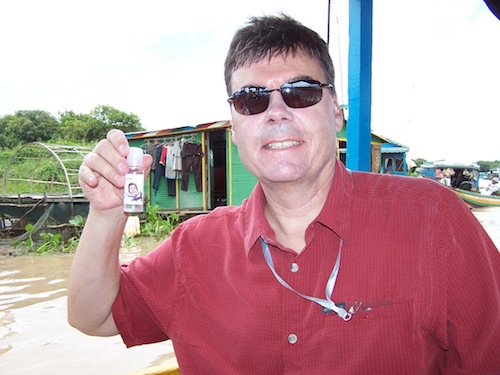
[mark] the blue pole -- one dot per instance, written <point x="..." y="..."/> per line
<point x="359" y="85"/>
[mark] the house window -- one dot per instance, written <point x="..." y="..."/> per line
<point x="394" y="164"/>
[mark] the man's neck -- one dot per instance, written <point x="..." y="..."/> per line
<point x="290" y="208"/>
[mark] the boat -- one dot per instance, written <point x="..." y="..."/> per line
<point x="463" y="178"/>
<point x="473" y="199"/>
<point x="169" y="367"/>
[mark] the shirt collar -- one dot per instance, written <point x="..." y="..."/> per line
<point x="336" y="211"/>
<point x="334" y="215"/>
<point x="254" y="217"/>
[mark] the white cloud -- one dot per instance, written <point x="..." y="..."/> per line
<point x="434" y="79"/>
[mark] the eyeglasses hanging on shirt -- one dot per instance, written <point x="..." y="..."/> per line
<point x="330" y="285"/>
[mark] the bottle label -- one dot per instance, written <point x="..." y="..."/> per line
<point x="134" y="191"/>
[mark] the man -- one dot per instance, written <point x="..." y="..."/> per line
<point x="494" y="187"/>
<point x="320" y="271"/>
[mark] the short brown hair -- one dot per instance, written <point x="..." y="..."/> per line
<point x="269" y="36"/>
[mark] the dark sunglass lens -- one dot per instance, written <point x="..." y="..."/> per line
<point x="302" y="94"/>
<point x="251" y="101"/>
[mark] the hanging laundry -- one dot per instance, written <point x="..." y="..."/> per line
<point x="191" y="161"/>
<point x="151" y="150"/>
<point x="159" y="169"/>
<point x="177" y="164"/>
<point x="170" y="174"/>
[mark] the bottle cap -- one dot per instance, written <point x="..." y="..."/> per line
<point x="134" y="157"/>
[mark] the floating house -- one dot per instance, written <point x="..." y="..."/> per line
<point x="214" y="178"/>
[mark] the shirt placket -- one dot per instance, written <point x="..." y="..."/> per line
<point x="289" y="266"/>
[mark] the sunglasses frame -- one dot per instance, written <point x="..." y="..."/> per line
<point x="264" y="94"/>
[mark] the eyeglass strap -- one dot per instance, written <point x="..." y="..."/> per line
<point x="330" y="285"/>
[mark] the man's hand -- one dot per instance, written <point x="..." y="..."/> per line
<point x="102" y="172"/>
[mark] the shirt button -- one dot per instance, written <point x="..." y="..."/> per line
<point x="292" y="338"/>
<point x="294" y="267"/>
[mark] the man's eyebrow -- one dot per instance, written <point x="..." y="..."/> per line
<point x="293" y="79"/>
<point x="299" y="78"/>
<point x="252" y="85"/>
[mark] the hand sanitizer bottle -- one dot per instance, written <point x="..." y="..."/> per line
<point x="133" y="194"/>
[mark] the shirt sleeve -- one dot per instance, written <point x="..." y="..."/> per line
<point x="472" y="294"/>
<point x="145" y="305"/>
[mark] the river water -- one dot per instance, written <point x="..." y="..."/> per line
<point x="35" y="337"/>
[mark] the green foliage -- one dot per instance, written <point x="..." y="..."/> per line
<point x="485" y="166"/>
<point x="95" y="125"/>
<point x="54" y="243"/>
<point x="34" y="170"/>
<point x="5" y="155"/>
<point x="78" y="222"/>
<point x="76" y="127"/>
<point x="419" y="161"/>
<point x="157" y="226"/>
<point x="27" y="126"/>
<point x="51" y="242"/>
<point x="35" y="125"/>
<point x="29" y="243"/>
<point x="110" y="118"/>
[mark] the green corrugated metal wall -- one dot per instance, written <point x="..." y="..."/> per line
<point x="242" y="182"/>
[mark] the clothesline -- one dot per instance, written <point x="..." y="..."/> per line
<point x="169" y="141"/>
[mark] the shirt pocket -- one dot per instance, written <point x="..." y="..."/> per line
<point x="381" y="337"/>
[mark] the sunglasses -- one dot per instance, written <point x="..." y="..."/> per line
<point x="297" y="94"/>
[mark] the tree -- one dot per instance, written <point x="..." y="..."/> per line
<point x="485" y="166"/>
<point x="35" y="125"/>
<point x="28" y="126"/>
<point x="111" y="118"/>
<point x="77" y="127"/>
<point x="94" y="126"/>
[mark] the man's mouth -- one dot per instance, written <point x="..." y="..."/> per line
<point x="285" y="144"/>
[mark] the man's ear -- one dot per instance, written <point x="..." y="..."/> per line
<point x="234" y="138"/>
<point x="339" y="115"/>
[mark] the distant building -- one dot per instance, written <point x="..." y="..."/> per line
<point x="387" y="156"/>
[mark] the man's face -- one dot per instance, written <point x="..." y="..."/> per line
<point x="284" y="144"/>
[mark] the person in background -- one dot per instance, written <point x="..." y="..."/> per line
<point x="494" y="187"/>
<point x="321" y="270"/>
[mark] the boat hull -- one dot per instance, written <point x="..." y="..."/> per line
<point x="170" y="367"/>
<point x="478" y="200"/>
<point x="18" y="211"/>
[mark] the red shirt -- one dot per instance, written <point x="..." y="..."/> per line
<point x="414" y="255"/>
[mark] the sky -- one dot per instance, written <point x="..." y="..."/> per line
<point x="435" y="68"/>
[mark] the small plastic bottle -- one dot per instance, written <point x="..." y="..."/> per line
<point x="133" y="195"/>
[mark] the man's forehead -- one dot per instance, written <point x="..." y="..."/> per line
<point x="280" y="68"/>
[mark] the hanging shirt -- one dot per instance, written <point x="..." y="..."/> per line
<point x="169" y="163"/>
<point x="177" y="163"/>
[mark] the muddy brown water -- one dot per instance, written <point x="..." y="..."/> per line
<point x="35" y="337"/>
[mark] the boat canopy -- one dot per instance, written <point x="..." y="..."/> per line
<point x="441" y="164"/>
